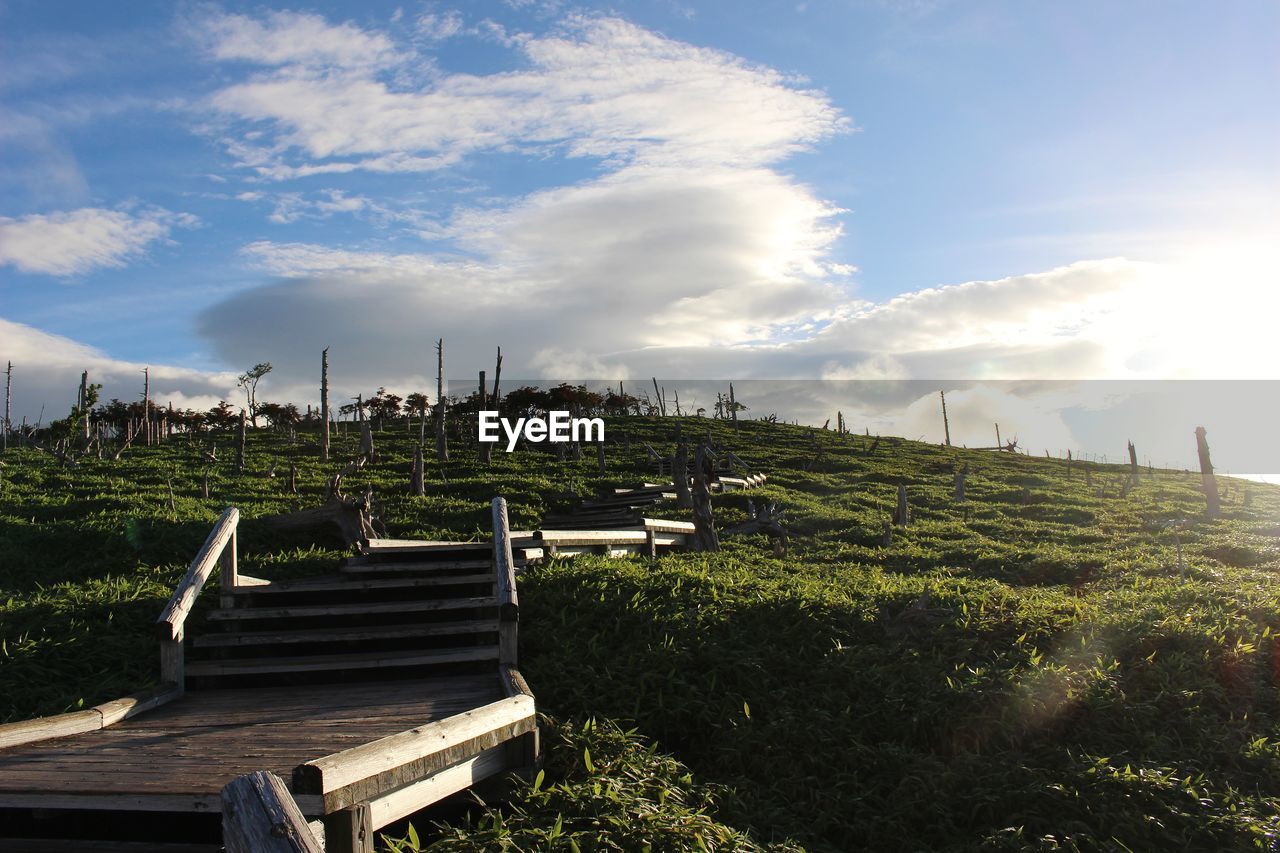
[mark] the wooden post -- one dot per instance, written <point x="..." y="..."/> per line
<point x="259" y="815"/>
<point x="508" y="600"/>
<point x="349" y="830"/>
<point x="960" y="476"/>
<point x="999" y="446"/>
<point x="243" y="429"/>
<point x="662" y="403"/>
<point x="1068" y="464"/>
<point x="733" y="406"/>
<point x="172" y="666"/>
<point x="1133" y="463"/>
<point x="680" y="475"/>
<point x="229" y="571"/>
<point x="442" y="441"/>
<point x="1207" y="480"/>
<point x="324" y="404"/>
<point x="946" y="425"/>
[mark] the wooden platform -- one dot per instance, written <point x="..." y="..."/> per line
<point x="179" y="756"/>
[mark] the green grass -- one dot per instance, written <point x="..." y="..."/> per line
<point x="1018" y="671"/>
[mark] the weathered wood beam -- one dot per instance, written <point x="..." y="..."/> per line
<point x="259" y="815"/>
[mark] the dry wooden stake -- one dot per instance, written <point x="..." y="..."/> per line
<point x="1207" y="480"/>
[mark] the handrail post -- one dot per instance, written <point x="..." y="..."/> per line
<point x="229" y="571"/>
<point x="169" y="626"/>
<point x="508" y="603"/>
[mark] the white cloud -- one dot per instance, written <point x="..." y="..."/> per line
<point x="284" y="38"/>
<point x="677" y="104"/>
<point x="47" y="367"/>
<point x="75" y="242"/>
<point x="439" y="26"/>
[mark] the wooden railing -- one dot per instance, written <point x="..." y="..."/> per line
<point x="219" y="550"/>
<point x="508" y="602"/>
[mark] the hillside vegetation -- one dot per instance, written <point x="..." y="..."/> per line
<point x="1026" y="669"/>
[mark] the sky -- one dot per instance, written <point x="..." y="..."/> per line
<point x="845" y="190"/>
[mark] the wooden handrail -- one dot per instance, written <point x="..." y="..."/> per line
<point x="169" y="625"/>
<point x="89" y="720"/>
<point x="505" y="567"/>
<point x="366" y="771"/>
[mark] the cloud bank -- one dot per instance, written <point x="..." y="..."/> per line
<point x="75" y="242"/>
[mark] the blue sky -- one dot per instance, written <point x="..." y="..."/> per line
<point x="820" y="189"/>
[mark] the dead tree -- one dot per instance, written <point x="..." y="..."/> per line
<point x="244" y="422"/>
<point x="600" y="460"/>
<point x="733" y="407"/>
<point x="324" y="405"/>
<point x="1133" y="463"/>
<point x="352" y="517"/>
<point x="292" y="485"/>
<point x="146" y="403"/>
<point x="366" y="442"/>
<point x="8" y="404"/>
<point x="902" y="515"/>
<point x="1207" y="480"/>
<point x="486" y="447"/>
<point x="416" y="485"/>
<point x="704" y="526"/>
<point x="768" y="520"/>
<point x="680" y="476"/>
<point x="442" y="441"/>
<point x="946" y="425"/>
<point x="960" y="476"/>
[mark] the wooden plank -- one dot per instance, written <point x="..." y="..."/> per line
<point x="169" y="625"/>
<point x="373" y="769"/>
<point x="342" y="635"/>
<point x="303" y="611"/>
<point x="319" y="663"/>
<point x="662" y="525"/>
<point x="416" y="567"/>
<point x="87" y="845"/>
<point x="199" y="803"/>
<point x="259" y="815"/>
<point x="403" y="802"/>
<point x="342" y="583"/>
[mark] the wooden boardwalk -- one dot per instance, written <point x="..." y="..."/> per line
<point x="373" y="693"/>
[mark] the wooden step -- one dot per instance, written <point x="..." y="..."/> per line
<point x="343" y="635"/>
<point x="326" y="663"/>
<point x="342" y="583"/>
<point x="303" y="611"/>
<point x="421" y="567"/>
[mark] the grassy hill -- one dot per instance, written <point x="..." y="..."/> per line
<point x="1026" y="669"/>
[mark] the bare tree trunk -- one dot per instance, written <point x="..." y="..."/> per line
<point x="324" y="404"/>
<point x="680" y="476"/>
<point x="733" y="406"/>
<point x="293" y="478"/>
<point x="8" y="404"/>
<point x="83" y="403"/>
<point x="416" y="485"/>
<point x="704" y="534"/>
<point x="442" y="441"/>
<point x="600" y="460"/>
<point x="486" y="447"/>
<point x="1133" y="463"/>
<point x="946" y="425"/>
<point x="146" y="403"/>
<point x="243" y="430"/>
<point x="1209" y="482"/>
<point x="998" y="444"/>
<point x="366" y="442"/>
<point x="903" y="514"/>
<point x="960" y="477"/>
